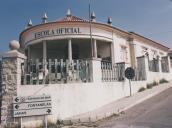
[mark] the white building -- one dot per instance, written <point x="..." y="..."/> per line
<point x="81" y="64"/>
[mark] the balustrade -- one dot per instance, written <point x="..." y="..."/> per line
<point x="55" y="71"/>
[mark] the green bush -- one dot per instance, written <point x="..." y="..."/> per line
<point x="59" y="122"/>
<point x="141" y="89"/>
<point x="155" y="83"/>
<point x="163" y="81"/>
<point x="149" y="86"/>
<point x="52" y="125"/>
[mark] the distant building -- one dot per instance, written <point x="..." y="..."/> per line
<point x="81" y="64"/>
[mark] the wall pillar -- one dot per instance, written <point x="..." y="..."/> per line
<point x="29" y="53"/>
<point x="96" y="70"/>
<point x="168" y="57"/>
<point x="11" y="80"/>
<point x="44" y="50"/>
<point x="132" y="53"/>
<point x="94" y="48"/>
<point x="44" y="55"/>
<point x="147" y="68"/>
<point x="70" y="50"/>
<point x="112" y="53"/>
<point x="160" y="68"/>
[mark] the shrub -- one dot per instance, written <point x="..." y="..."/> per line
<point x="59" y="122"/>
<point x="163" y="81"/>
<point x="52" y="125"/>
<point x="141" y="89"/>
<point x="155" y="83"/>
<point x="149" y="86"/>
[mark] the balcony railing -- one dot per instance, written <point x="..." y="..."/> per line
<point x="154" y="65"/>
<point x="112" y="72"/>
<point x="55" y="71"/>
<point x="165" y="64"/>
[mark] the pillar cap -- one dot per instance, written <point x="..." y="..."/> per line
<point x="93" y="16"/>
<point x="14" y="45"/>
<point x="68" y="12"/>
<point x="44" y="18"/>
<point x="109" y="21"/>
<point x="12" y="54"/>
<point x="29" y="23"/>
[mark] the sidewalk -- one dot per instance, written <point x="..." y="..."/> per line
<point x="121" y="105"/>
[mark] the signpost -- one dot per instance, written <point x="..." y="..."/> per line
<point x="32" y="106"/>
<point x="130" y="74"/>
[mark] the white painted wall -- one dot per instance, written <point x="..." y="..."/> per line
<point x="73" y="99"/>
<point x="139" y="50"/>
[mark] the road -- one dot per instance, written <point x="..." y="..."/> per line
<point x="153" y="113"/>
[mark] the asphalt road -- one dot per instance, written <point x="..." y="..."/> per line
<point x="153" y="113"/>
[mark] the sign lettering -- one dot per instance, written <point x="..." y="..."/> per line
<point x="58" y="31"/>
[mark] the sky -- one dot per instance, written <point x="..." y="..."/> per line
<point x="150" y="18"/>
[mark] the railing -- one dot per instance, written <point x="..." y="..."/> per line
<point x="140" y="70"/>
<point x="154" y="65"/>
<point x="55" y="71"/>
<point x="112" y="72"/>
<point x="165" y="64"/>
<point x="140" y="74"/>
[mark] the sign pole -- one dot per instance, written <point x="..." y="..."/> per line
<point x="21" y="122"/>
<point x="45" y="121"/>
<point x="130" y="86"/>
<point x="130" y="74"/>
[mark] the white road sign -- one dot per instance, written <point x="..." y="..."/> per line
<point x="32" y="105"/>
<point x="31" y="98"/>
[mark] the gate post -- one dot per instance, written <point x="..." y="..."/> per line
<point x="11" y="80"/>
<point x="96" y="70"/>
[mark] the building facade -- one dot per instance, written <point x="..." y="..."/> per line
<point x="81" y="64"/>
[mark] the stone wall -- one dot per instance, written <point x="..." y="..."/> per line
<point x="8" y="88"/>
<point x="10" y="78"/>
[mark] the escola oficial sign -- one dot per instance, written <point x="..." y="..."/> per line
<point x="57" y="31"/>
<point x="32" y="105"/>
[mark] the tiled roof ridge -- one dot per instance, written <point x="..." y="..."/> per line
<point x="72" y="18"/>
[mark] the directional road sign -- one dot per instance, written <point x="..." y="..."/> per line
<point x="32" y="105"/>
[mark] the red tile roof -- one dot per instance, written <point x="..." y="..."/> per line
<point x="72" y="18"/>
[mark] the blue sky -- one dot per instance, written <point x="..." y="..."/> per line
<point x="150" y="18"/>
